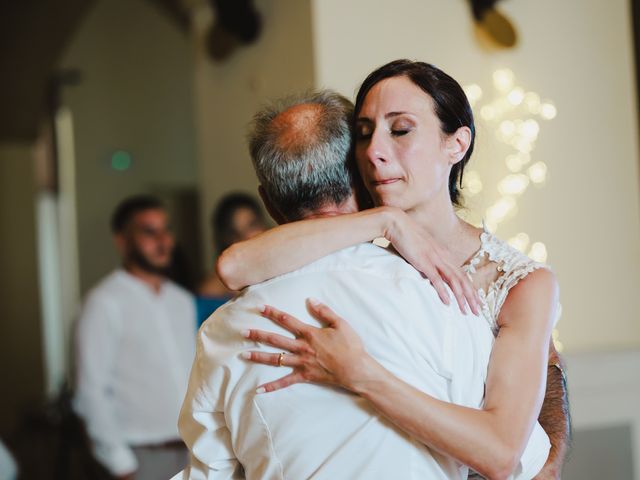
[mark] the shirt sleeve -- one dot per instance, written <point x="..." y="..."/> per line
<point x="534" y="456"/>
<point x="96" y="344"/>
<point x="202" y="421"/>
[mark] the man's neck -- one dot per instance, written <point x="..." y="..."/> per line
<point x="332" y="210"/>
<point x="153" y="280"/>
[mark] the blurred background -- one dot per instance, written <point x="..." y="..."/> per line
<point x="102" y="99"/>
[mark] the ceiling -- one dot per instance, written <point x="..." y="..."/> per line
<point x="33" y="35"/>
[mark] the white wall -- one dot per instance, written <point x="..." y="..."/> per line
<point x="604" y="391"/>
<point x="577" y="53"/>
<point x="136" y="95"/>
<point x="228" y="94"/>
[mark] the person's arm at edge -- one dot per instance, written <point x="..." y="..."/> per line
<point x="490" y="440"/>
<point x="290" y="246"/>
<point x="277" y="251"/>
<point x="554" y="416"/>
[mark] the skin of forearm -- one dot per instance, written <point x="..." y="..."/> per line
<point x="290" y="246"/>
<point x="554" y="416"/>
<point x="470" y="436"/>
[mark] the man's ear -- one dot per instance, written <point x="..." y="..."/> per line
<point x="458" y="143"/>
<point x="273" y="211"/>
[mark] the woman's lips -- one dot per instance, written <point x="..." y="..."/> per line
<point x="387" y="181"/>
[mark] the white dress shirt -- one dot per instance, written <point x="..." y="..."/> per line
<point x="134" y="348"/>
<point x="312" y="431"/>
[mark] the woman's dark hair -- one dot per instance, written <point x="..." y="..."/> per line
<point x="450" y="102"/>
<point x="222" y="218"/>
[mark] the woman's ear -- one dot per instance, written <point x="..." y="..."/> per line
<point x="458" y="143"/>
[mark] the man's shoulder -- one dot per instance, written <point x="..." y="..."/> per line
<point x="364" y="258"/>
<point x="108" y="287"/>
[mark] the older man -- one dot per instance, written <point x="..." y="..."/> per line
<point x="299" y="150"/>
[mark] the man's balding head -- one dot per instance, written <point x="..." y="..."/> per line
<point x="300" y="150"/>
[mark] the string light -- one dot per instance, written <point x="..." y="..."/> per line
<point x="514" y="116"/>
<point x="538" y="252"/>
<point x="516" y="96"/>
<point x="538" y="173"/>
<point x="548" y="111"/>
<point x="474" y="93"/>
<point x="513" y="184"/>
<point x="511" y="115"/>
<point x="503" y="79"/>
<point x="472" y="183"/>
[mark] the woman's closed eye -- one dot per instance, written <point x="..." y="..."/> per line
<point x="401" y="127"/>
<point x="399" y="132"/>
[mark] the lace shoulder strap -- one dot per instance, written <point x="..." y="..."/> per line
<point x="512" y="266"/>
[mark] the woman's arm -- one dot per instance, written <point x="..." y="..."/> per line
<point x="491" y="440"/>
<point x="292" y="245"/>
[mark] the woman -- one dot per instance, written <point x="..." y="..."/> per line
<point x="414" y="133"/>
<point x="237" y="217"/>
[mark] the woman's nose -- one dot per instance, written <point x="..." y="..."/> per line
<point x="377" y="150"/>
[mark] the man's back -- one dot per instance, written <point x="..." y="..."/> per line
<point x="310" y="431"/>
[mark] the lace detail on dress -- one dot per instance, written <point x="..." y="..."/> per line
<point x="511" y="265"/>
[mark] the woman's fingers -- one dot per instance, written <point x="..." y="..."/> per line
<point x="274" y="359"/>
<point x="273" y="339"/>
<point x="472" y="295"/>
<point x="281" y="383"/>
<point x="455" y="283"/>
<point x="436" y="280"/>
<point x="285" y="320"/>
<point x="323" y="313"/>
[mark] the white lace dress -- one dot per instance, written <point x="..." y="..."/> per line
<point x="496" y="268"/>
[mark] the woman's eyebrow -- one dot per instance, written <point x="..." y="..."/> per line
<point x="387" y="115"/>
<point x="396" y="114"/>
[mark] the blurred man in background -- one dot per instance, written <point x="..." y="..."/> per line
<point x="134" y="348"/>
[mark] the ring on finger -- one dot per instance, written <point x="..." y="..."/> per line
<point x="281" y="359"/>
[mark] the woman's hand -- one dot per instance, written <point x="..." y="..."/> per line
<point x="330" y="355"/>
<point x="419" y="248"/>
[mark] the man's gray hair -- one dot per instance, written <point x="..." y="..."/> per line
<point x="300" y="148"/>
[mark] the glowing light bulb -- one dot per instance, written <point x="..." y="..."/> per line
<point x="520" y="241"/>
<point x="538" y="252"/>
<point x="516" y="96"/>
<point x="548" y="111"/>
<point x="513" y="184"/>
<point x="507" y="128"/>
<point x="530" y="129"/>
<point x="503" y="79"/>
<point x="538" y="173"/>
<point x="499" y="210"/>
<point x="473" y="92"/>
<point x="472" y="182"/>
<point x="523" y="145"/>
<point x="513" y="163"/>
<point x="488" y="112"/>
